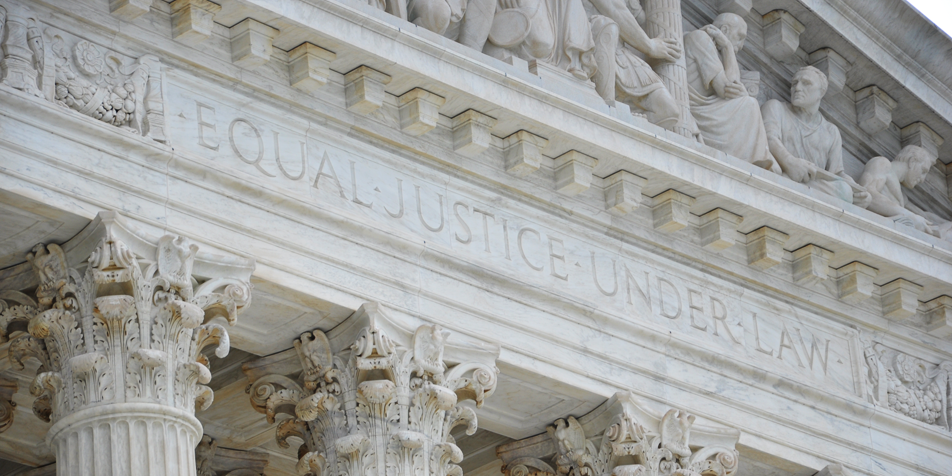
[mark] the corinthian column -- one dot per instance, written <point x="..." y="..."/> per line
<point x="663" y="20"/>
<point x="377" y="399"/>
<point x="120" y="347"/>
<point x="622" y="438"/>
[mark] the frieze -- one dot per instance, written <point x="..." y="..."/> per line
<point x="323" y="167"/>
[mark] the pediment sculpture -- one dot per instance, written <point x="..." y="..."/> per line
<point x="727" y="116"/>
<point x="809" y="148"/>
<point x="884" y="179"/>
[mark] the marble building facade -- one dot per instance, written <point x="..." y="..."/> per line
<point x="474" y="237"/>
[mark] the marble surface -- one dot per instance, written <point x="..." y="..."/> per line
<point x="340" y="207"/>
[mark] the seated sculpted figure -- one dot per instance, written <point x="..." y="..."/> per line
<point x="621" y="73"/>
<point x="807" y="147"/>
<point x="728" y="118"/>
<point x="883" y="179"/>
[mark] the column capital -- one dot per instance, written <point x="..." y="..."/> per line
<point x="376" y="396"/>
<point x="621" y="437"/>
<point x="119" y="325"/>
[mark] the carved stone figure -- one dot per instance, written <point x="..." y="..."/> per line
<point x="435" y="15"/>
<point x="622" y="74"/>
<point x="807" y="147"/>
<point x="884" y="181"/>
<point x="552" y="31"/>
<point x="23" y="49"/>
<point x="619" y="438"/>
<point x="382" y="404"/>
<point x="908" y="385"/>
<point x="119" y="345"/>
<point x="103" y="87"/>
<point x="728" y="118"/>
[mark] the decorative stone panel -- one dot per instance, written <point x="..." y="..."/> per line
<point x="377" y="399"/>
<point x="908" y="385"/>
<point x="622" y="438"/>
<point x="82" y="76"/>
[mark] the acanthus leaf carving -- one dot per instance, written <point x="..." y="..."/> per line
<point x="620" y="438"/>
<point x="116" y="334"/>
<point x="377" y="401"/>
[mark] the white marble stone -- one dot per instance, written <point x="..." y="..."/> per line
<point x="506" y="230"/>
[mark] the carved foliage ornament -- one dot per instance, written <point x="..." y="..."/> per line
<point x="116" y="333"/>
<point x="910" y="386"/>
<point x="632" y="444"/>
<point x="80" y="75"/>
<point x="376" y="407"/>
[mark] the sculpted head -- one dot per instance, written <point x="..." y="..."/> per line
<point x="917" y="161"/>
<point x="808" y="87"/>
<point x="734" y="28"/>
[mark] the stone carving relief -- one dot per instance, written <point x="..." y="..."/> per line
<point x="620" y="438"/>
<point x="383" y="402"/>
<point x="809" y="148"/>
<point x="622" y="73"/>
<point x="102" y="86"/>
<point x="24" y="55"/>
<point x="81" y="75"/>
<point x="210" y="460"/>
<point x="884" y="181"/>
<point x="556" y="32"/>
<point x="122" y="330"/>
<point x="909" y="385"/>
<point x="727" y="116"/>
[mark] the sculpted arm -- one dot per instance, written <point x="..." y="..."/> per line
<point x="794" y="167"/>
<point x="634" y="35"/>
<point x="874" y="180"/>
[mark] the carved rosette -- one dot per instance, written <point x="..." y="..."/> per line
<point x="120" y="342"/>
<point x="376" y="407"/>
<point x="619" y="438"/>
